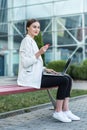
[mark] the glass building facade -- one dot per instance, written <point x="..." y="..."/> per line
<point x="63" y="25"/>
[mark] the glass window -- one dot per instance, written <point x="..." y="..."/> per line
<point x="46" y="29"/>
<point x="3" y="10"/>
<point x="3" y="36"/>
<point x="19" y="28"/>
<point x="19" y="32"/>
<point x="68" y="30"/>
<point x="17" y="41"/>
<point x="86" y="35"/>
<point x="14" y="61"/>
<point x="86" y="28"/>
<point x="3" y="29"/>
<point x="17" y="3"/>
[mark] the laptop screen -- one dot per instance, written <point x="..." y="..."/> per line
<point x="67" y="65"/>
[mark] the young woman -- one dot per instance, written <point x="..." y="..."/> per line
<point x="31" y="73"/>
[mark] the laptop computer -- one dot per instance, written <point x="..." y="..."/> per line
<point x="64" y="70"/>
<point x="66" y="65"/>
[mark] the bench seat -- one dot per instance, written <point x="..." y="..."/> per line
<point x="14" y="89"/>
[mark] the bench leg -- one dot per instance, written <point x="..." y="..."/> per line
<point x="52" y="98"/>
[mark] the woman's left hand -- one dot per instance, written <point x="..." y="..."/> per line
<point x="51" y="71"/>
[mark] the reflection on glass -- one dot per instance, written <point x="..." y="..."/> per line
<point x="17" y="41"/>
<point x="68" y="27"/>
<point x="3" y="42"/>
<point x="3" y="10"/>
<point x="5" y="61"/>
<point x="46" y="27"/>
<point x="19" y="33"/>
<point x="67" y="52"/>
<point x="86" y="28"/>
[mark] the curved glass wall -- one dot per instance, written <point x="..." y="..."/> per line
<point x="61" y="26"/>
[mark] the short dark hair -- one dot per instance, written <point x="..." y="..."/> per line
<point x="30" y="21"/>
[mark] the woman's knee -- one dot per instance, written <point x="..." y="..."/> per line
<point x="65" y="81"/>
<point x="70" y="81"/>
<point x="68" y="77"/>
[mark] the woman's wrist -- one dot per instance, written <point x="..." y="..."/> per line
<point x="37" y="54"/>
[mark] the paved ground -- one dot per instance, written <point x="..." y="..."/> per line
<point x="42" y="119"/>
<point x="78" y="84"/>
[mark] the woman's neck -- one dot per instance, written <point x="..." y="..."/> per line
<point x="31" y="35"/>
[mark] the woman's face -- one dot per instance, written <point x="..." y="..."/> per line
<point x="34" y="29"/>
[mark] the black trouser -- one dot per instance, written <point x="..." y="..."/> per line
<point x="64" y="84"/>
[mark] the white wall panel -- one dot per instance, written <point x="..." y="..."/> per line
<point x="48" y="8"/>
<point x="17" y="3"/>
<point x="38" y="11"/>
<point x="68" y="7"/>
<point x="85" y="6"/>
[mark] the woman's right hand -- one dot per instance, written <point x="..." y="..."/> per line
<point x="42" y="50"/>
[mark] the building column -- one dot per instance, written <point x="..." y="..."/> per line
<point x="83" y="36"/>
<point x="10" y="38"/>
<point x="54" y="38"/>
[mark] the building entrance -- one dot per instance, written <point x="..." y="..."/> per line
<point x="1" y="65"/>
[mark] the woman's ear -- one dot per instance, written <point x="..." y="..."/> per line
<point x="27" y="28"/>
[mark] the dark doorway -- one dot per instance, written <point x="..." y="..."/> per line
<point x="1" y="65"/>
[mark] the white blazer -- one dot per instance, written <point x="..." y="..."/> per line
<point x="30" y="68"/>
